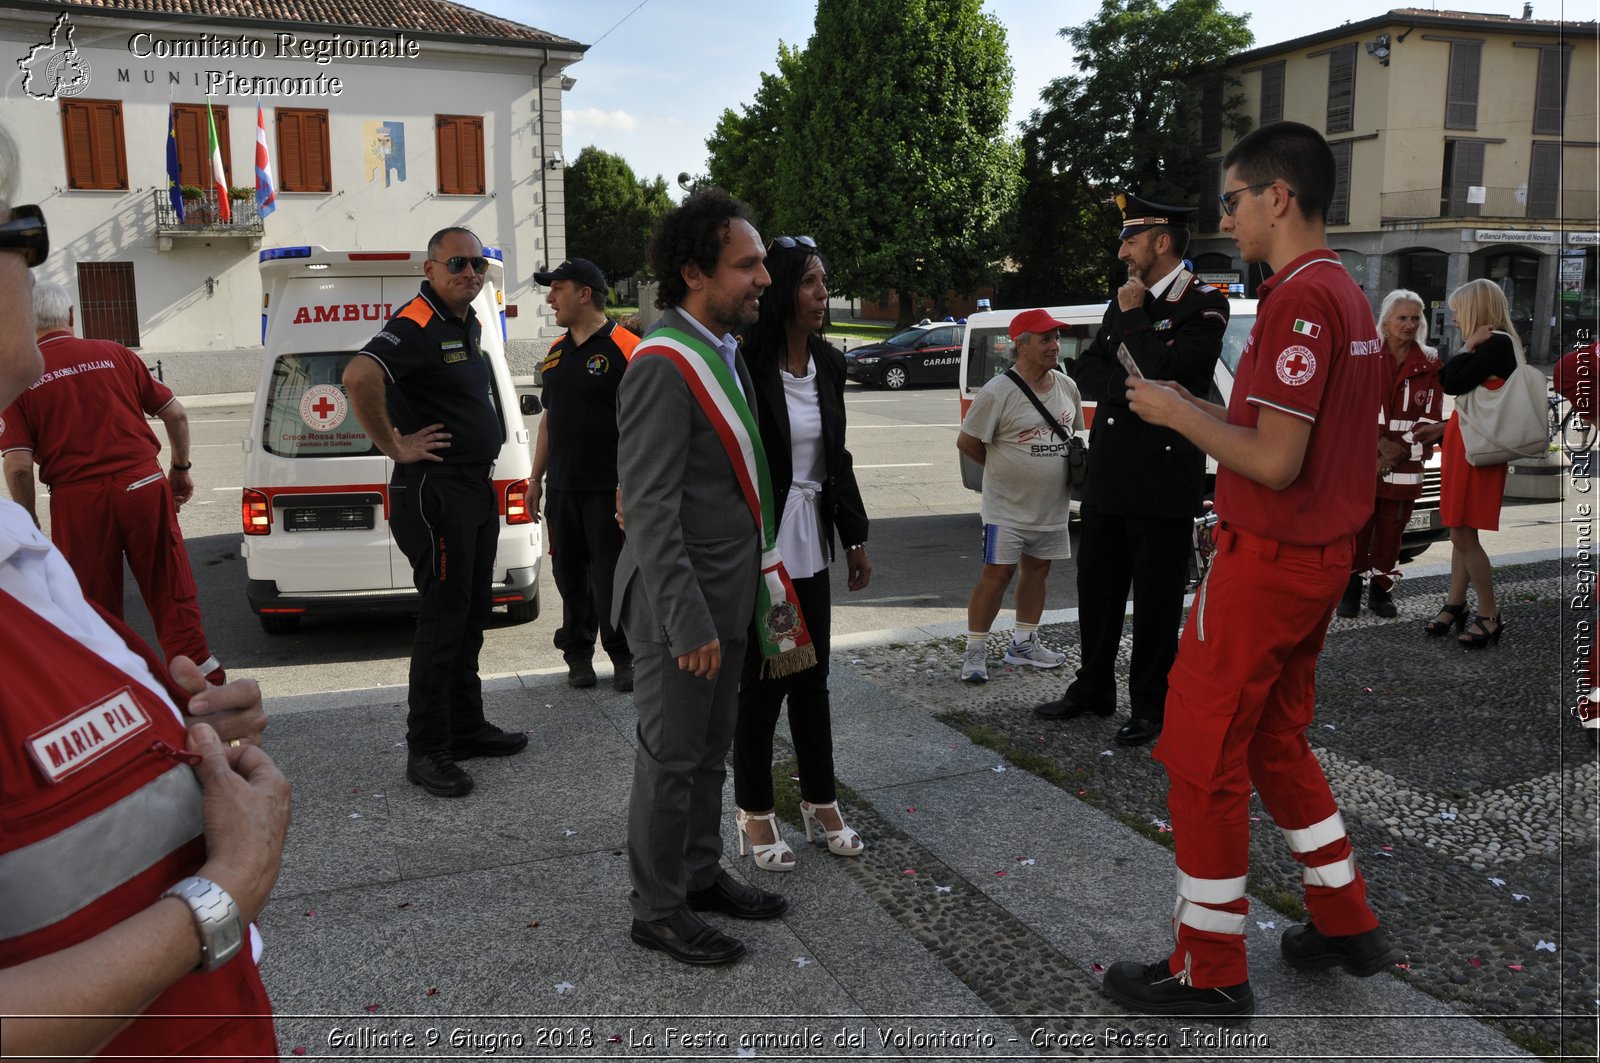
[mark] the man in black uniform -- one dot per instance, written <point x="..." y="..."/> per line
<point x="576" y="451"/>
<point x="437" y="420"/>
<point x="1145" y="482"/>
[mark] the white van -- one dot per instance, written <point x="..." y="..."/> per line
<point x="316" y="491"/>
<point x="987" y="352"/>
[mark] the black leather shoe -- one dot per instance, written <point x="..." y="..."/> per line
<point x="1070" y="708"/>
<point x="1350" y="604"/>
<point x="1381" y="603"/>
<point x="1136" y="732"/>
<point x="1154" y="989"/>
<point x="688" y="939"/>
<point x="622" y="677"/>
<point x="1362" y="955"/>
<point x="730" y="897"/>
<point x="580" y="674"/>
<point x="438" y="773"/>
<point x="491" y="741"/>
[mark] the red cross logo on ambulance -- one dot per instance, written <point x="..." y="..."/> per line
<point x="1296" y="365"/>
<point x="323" y="407"/>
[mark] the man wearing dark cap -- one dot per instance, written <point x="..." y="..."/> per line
<point x="576" y="452"/>
<point x="1145" y="482"/>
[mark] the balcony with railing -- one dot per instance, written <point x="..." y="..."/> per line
<point x="203" y="217"/>
<point x="1573" y="206"/>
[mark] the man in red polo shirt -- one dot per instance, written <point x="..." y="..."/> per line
<point x="83" y="422"/>
<point x="1296" y="450"/>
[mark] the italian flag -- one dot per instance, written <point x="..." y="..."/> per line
<point x="219" y="179"/>
<point x="1307" y="328"/>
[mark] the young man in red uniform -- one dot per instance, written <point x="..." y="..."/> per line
<point x="1297" y="450"/>
<point x="83" y="422"/>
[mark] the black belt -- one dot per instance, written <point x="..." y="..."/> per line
<point x="454" y="470"/>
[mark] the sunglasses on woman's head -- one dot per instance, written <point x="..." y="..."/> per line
<point x="26" y="234"/>
<point x="456" y="263"/>
<point x="792" y="241"/>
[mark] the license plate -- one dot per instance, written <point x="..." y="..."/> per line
<point x="332" y="518"/>
<point x="1422" y="521"/>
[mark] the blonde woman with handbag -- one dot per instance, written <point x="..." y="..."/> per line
<point x="1470" y="495"/>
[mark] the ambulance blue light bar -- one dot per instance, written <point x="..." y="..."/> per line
<point x="494" y="253"/>
<point x="273" y="253"/>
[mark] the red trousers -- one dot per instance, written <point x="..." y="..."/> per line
<point x="1378" y="544"/>
<point x="1240" y="697"/>
<point x="96" y="522"/>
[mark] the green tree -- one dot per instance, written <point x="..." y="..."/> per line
<point x="743" y="149"/>
<point x="609" y="212"/>
<point x="893" y="151"/>
<point x="1058" y="239"/>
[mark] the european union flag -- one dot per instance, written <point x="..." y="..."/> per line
<point x="174" y="192"/>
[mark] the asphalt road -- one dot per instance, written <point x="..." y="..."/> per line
<point x="924" y="548"/>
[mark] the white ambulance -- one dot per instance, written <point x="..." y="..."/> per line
<point x="316" y="491"/>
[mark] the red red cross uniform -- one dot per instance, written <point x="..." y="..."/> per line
<point x="84" y="421"/>
<point x="84" y="745"/>
<point x="1242" y="691"/>
<point x="1414" y="399"/>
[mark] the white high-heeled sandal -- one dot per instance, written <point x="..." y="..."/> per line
<point x="841" y="842"/>
<point x="769" y="857"/>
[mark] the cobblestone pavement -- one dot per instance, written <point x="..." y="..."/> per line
<point x="1468" y="792"/>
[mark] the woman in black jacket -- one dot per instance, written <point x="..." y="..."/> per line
<point x="799" y="383"/>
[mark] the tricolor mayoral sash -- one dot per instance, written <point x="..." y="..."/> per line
<point x="785" y="640"/>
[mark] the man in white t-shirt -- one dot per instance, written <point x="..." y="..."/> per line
<point x="1026" y="501"/>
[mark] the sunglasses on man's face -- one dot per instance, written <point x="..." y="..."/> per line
<point x="456" y="263"/>
<point x="26" y="234"/>
<point x="793" y="241"/>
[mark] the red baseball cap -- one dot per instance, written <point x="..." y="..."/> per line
<point x="1034" y="321"/>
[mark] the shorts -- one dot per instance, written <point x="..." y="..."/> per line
<point x="1005" y="546"/>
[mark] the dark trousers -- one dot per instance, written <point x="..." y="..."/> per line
<point x="810" y="725"/>
<point x="584" y="544"/>
<point x="1378" y="544"/>
<point x="447" y="525"/>
<point x="1151" y="555"/>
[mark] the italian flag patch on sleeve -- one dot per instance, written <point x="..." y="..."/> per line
<point x="1307" y="328"/>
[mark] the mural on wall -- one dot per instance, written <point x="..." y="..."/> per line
<point x="386" y="151"/>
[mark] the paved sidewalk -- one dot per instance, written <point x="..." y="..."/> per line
<point x="991" y="893"/>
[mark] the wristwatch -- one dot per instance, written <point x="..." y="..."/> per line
<point x="215" y="916"/>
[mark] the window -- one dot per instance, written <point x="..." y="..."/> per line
<point x="108" y="303"/>
<point x="1461" y="91"/>
<point x="302" y="162"/>
<point x="92" y="133"/>
<point x="1342" y="89"/>
<point x="1339" y="205"/>
<point x="194" y="142"/>
<point x="1272" y="93"/>
<point x="285" y="429"/>
<point x="1463" y="168"/>
<point x="1544" y="180"/>
<point x="1550" y="96"/>
<point x="460" y="150"/>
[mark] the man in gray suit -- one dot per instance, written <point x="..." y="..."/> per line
<point x="687" y="578"/>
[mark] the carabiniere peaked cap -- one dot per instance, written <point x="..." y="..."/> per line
<point x="1139" y="214"/>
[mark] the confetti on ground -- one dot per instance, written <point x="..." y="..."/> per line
<point x="998" y="767"/>
<point x="397" y="745"/>
<point x="855" y="660"/>
<point x="1025" y="860"/>
<point x="801" y="961"/>
<point x="533" y="924"/>
<point x="1108" y="753"/>
<point x="614" y="1039"/>
<point x="372" y="1007"/>
<point x="1083" y="793"/>
<point x="569" y="832"/>
<point x="1366" y="690"/>
<point x="1497" y="882"/>
<point x="403" y="904"/>
<point x="299" y="1050"/>
<point x="1329" y="727"/>
<point x="747" y="1053"/>
<point x="1404" y="966"/>
<point x="1001" y="874"/>
<point x="1519" y="896"/>
<point x="355" y="789"/>
<point x="909" y="871"/>
<point x="1255" y="819"/>
<point x="1548" y="946"/>
<point x="912" y="809"/>
<point x="1387" y="848"/>
<point x="562" y="988"/>
<point x="1160" y="823"/>
<point x="1513" y="966"/>
<point x="1447" y="815"/>
<point x="942" y="889"/>
<point x="1268" y="925"/>
<point x="1475" y="961"/>
<point x="355" y="815"/>
<point x="311" y="913"/>
<point x="1098" y="968"/>
<point x="431" y="991"/>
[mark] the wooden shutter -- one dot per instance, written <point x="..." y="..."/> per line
<point x="194" y="143"/>
<point x="459" y="147"/>
<point x="1339" y="206"/>
<point x="1341" y="89"/>
<point x="1463" y="168"/>
<point x="1544" y="180"/>
<point x="1550" y="96"/>
<point x="302" y="163"/>
<point x="1272" y="93"/>
<point x="1461" y="91"/>
<point x="108" y="303"/>
<point x="91" y="132"/>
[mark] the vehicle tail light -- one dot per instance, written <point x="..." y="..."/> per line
<point x="517" y="503"/>
<point x="256" y="512"/>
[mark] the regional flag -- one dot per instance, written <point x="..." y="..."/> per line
<point x="266" y="193"/>
<point x="219" y="178"/>
<point x="174" y="189"/>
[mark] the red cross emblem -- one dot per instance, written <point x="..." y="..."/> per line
<point x="323" y="407"/>
<point x="1296" y="365"/>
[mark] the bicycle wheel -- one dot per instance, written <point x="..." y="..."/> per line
<point x="1577" y="432"/>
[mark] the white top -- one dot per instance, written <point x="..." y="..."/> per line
<point x="800" y="538"/>
<point x="1024" y="472"/>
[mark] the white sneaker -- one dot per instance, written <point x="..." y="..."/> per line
<point x="975" y="664"/>
<point x="1033" y="653"/>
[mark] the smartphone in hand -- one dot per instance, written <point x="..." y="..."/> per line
<point x="1127" y="361"/>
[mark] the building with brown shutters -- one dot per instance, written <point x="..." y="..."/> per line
<point x="385" y="121"/>
<point x="1467" y="145"/>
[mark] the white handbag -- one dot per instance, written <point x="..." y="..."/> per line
<point x="1498" y="426"/>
